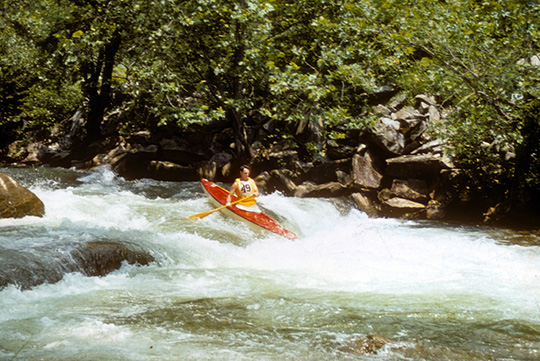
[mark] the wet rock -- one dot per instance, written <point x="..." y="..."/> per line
<point x="365" y="204"/>
<point x="435" y="210"/>
<point x="368" y="345"/>
<point x="101" y="258"/>
<point x="32" y="267"/>
<point x="17" y="201"/>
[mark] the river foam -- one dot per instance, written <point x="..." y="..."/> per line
<point x="218" y="288"/>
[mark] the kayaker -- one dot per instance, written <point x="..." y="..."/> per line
<point x="244" y="187"/>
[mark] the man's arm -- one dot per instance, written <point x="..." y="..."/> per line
<point x="255" y="188"/>
<point x="233" y="190"/>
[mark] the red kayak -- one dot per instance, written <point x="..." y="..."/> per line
<point x="218" y="196"/>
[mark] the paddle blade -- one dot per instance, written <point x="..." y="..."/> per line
<point x="194" y="217"/>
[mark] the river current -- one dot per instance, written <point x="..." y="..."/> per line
<point x="218" y="290"/>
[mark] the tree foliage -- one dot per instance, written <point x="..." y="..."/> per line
<point x="177" y="63"/>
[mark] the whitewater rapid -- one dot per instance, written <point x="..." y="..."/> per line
<point x="219" y="290"/>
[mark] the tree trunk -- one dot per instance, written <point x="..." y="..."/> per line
<point x="236" y="115"/>
<point x="519" y="192"/>
<point x="99" y="95"/>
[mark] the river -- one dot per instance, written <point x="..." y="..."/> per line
<point x="218" y="290"/>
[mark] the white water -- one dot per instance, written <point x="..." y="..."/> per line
<point x="219" y="290"/>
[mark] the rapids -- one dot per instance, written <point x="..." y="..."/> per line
<point x="218" y="290"/>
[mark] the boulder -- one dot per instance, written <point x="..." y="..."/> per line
<point x="435" y="210"/>
<point x="412" y="189"/>
<point x="382" y="111"/>
<point x="169" y="171"/>
<point x="283" y="181"/>
<point x="363" y="172"/>
<point x="180" y="152"/>
<point x="365" y="204"/>
<point x="17" y="201"/>
<point x="434" y="146"/>
<point x="385" y="134"/>
<point x="428" y="99"/>
<point x="434" y="115"/>
<point x="101" y="258"/>
<point x="331" y="189"/>
<point x="408" y="113"/>
<point x="396" y="206"/>
<point x="29" y="267"/>
<point x="324" y="172"/>
<point x="404" y="204"/>
<point x="417" y="166"/>
<point x="223" y="162"/>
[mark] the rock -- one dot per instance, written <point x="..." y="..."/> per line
<point x="363" y="172"/>
<point x="30" y="267"/>
<point x="180" y="152"/>
<point x="435" y="210"/>
<point x="369" y="345"/>
<point x="385" y="134"/>
<point x="17" y="201"/>
<point x="55" y="156"/>
<point x="331" y="189"/>
<point x="382" y="111"/>
<point x="325" y="172"/>
<point x="435" y="146"/>
<point x="169" y="171"/>
<point x="417" y="166"/>
<point x="434" y="115"/>
<point x="101" y="258"/>
<point x="398" y="207"/>
<point x="404" y="204"/>
<point x="408" y="113"/>
<point x="365" y="204"/>
<point x="430" y="100"/>
<point x="413" y="189"/>
<point x="223" y="163"/>
<point x="497" y="212"/>
<point x="396" y="102"/>
<point x="208" y="171"/>
<point x="283" y="180"/>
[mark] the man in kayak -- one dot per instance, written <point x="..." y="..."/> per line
<point x="244" y="187"/>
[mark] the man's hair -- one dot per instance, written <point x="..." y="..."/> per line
<point x="244" y="167"/>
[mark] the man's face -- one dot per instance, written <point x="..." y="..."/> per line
<point x="244" y="174"/>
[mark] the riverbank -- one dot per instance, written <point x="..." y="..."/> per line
<point x="393" y="168"/>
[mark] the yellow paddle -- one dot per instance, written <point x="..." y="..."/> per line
<point x="204" y="214"/>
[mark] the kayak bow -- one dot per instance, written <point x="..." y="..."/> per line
<point x="218" y="196"/>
